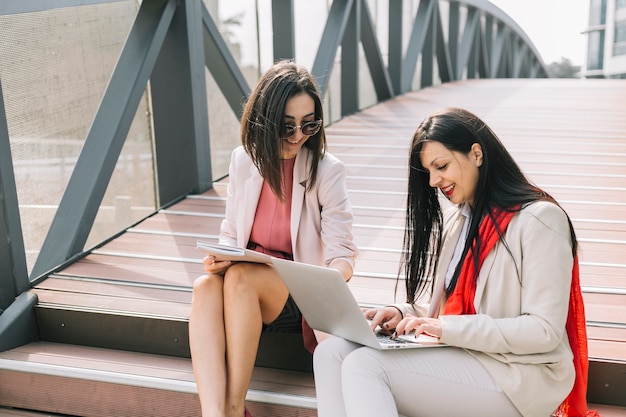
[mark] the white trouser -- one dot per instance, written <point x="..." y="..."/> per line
<point x="357" y="381"/>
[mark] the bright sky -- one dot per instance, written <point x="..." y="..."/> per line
<point x="554" y="26"/>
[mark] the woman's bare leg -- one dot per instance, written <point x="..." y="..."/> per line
<point x="207" y="342"/>
<point x="253" y="294"/>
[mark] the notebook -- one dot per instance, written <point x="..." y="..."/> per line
<point x="232" y="253"/>
<point x="327" y="304"/>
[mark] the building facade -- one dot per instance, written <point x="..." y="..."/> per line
<point x="606" y="40"/>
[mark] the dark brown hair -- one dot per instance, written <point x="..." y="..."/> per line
<point x="262" y="122"/>
<point x="501" y="184"/>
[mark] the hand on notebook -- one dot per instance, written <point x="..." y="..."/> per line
<point x="213" y="266"/>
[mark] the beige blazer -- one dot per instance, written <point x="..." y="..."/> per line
<point x="321" y="219"/>
<point x="518" y="332"/>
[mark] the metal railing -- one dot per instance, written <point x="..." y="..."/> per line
<point x="170" y="46"/>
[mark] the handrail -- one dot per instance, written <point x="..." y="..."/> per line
<point x="474" y="39"/>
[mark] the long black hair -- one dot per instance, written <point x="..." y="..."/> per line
<point x="263" y="123"/>
<point x="501" y="184"/>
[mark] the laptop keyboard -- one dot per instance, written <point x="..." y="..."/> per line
<point x="387" y="340"/>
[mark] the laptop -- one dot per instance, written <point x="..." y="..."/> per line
<point x="327" y="304"/>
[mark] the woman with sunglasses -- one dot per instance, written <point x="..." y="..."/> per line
<point x="494" y="277"/>
<point x="287" y="197"/>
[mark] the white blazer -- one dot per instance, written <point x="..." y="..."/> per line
<point x="518" y="331"/>
<point x="321" y="219"/>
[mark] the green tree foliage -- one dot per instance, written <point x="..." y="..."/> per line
<point x="564" y="69"/>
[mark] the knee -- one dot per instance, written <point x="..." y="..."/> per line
<point x="235" y="278"/>
<point x="362" y="362"/>
<point x="332" y="352"/>
<point x="205" y="285"/>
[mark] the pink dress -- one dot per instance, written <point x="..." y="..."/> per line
<point x="271" y="234"/>
<point x="271" y="230"/>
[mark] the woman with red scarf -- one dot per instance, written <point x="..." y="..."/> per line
<point x="494" y="276"/>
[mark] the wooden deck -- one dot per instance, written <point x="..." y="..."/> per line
<point x="119" y="315"/>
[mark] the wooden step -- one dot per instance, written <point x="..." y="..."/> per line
<point x="113" y="321"/>
<point x="154" y="318"/>
<point x="116" y="322"/>
<point x="97" y="382"/>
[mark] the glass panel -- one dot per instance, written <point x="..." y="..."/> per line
<point x="223" y="127"/>
<point x="55" y="66"/>
<point x="619" y="46"/>
<point x="620" y="32"/>
<point x="309" y="22"/>
<point x="595" y="50"/>
<point x="619" y="49"/>
<point x="597" y="12"/>
<point x="237" y="23"/>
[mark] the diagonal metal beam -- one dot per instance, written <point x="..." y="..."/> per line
<point x="467" y="40"/>
<point x="222" y="65"/>
<point x="74" y="218"/>
<point x="474" y="54"/>
<point x="497" y="51"/>
<point x="518" y="59"/>
<point x="444" y="59"/>
<point x="13" y="269"/>
<point x="373" y="56"/>
<point x="331" y="39"/>
<point x="421" y="25"/>
<point x="489" y="9"/>
<point x="507" y="60"/>
<point x="486" y="48"/>
<point x="483" y="58"/>
<point x="427" y="76"/>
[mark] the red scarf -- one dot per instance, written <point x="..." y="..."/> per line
<point x="461" y="301"/>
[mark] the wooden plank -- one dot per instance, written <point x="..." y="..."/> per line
<point x="159" y="246"/>
<point x="114" y="305"/>
<point x="113" y="289"/>
<point x="615" y="334"/>
<point x="103" y="360"/>
<point x="143" y="365"/>
<point x="147" y="270"/>
<point x="174" y="223"/>
<point x="606" y="350"/>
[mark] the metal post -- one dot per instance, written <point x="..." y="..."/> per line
<point x="350" y="62"/>
<point x="283" y="27"/>
<point x="13" y="269"/>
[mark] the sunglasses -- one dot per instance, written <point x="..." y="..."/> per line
<point x="307" y="129"/>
